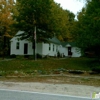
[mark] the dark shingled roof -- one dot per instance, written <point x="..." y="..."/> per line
<point x="54" y="40"/>
<point x="70" y="43"/>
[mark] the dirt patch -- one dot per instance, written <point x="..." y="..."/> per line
<point x="78" y="80"/>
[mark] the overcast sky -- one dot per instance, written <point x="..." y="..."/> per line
<point x="72" y="5"/>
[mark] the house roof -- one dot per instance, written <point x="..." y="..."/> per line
<point x="72" y="44"/>
<point x="19" y="33"/>
<point x="54" y="40"/>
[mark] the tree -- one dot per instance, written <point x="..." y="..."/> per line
<point x="51" y="21"/>
<point x="59" y="18"/>
<point x="88" y="31"/>
<point x="33" y="13"/>
<point x="6" y="21"/>
<point x="61" y="22"/>
<point x="69" y="26"/>
<point x="5" y="16"/>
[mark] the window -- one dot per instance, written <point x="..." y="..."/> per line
<point x="57" y="48"/>
<point x="17" y="45"/>
<point x="18" y="39"/>
<point x="49" y="46"/>
<point x="53" y="47"/>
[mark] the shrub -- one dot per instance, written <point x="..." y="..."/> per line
<point x="39" y="56"/>
<point x="19" y="56"/>
<point x="76" y="71"/>
<point x="96" y="69"/>
<point x="26" y="56"/>
<point x="13" y="56"/>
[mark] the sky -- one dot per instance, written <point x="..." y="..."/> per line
<point x="72" y="5"/>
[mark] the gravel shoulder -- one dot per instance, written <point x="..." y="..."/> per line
<point x="54" y="85"/>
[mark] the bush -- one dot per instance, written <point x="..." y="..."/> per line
<point x="31" y="57"/>
<point x="26" y="56"/>
<point x="58" y="54"/>
<point x="95" y="66"/>
<point x="76" y="71"/>
<point x="13" y="56"/>
<point x="39" y="56"/>
<point x="19" y="57"/>
<point x="96" y="69"/>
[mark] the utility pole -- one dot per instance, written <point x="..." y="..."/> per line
<point x="35" y="37"/>
<point x="34" y="43"/>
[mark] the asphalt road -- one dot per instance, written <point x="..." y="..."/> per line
<point x="25" y="95"/>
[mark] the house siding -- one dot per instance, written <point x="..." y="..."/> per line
<point x="50" y="52"/>
<point x="50" y="49"/>
<point x="76" y="52"/>
<point x="20" y="51"/>
<point x="39" y="48"/>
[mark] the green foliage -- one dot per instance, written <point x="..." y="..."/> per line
<point x="33" y="13"/>
<point x="39" y="56"/>
<point x="6" y="22"/>
<point x="13" y="56"/>
<point x="95" y="66"/>
<point x="48" y="17"/>
<point x="87" y="31"/>
<point x="48" y="65"/>
<point x="96" y="69"/>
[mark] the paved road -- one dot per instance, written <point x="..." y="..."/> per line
<point x="24" y="95"/>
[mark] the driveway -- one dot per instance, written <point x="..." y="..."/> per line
<point x="25" y="95"/>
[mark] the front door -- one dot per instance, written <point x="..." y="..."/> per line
<point x="69" y="51"/>
<point x="25" y="48"/>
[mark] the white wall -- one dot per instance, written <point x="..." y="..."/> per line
<point x="42" y="49"/>
<point x="50" y="52"/>
<point x="20" y="51"/>
<point x="76" y="52"/>
<point x="30" y="48"/>
<point x="62" y="50"/>
<point x="65" y="50"/>
<point x="39" y="48"/>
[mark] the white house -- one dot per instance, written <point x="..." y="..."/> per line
<point x="51" y="48"/>
<point x="70" y="49"/>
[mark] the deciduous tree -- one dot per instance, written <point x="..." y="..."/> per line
<point x="48" y="16"/>
<point x="88" y="27"/>
<point x="6" y="21"/>
<point x="33" y="13"/>
<point x="5" y="16"/>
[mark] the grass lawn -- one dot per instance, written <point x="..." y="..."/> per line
<point x="43" y="66"/>
<point x="42" y="70"/>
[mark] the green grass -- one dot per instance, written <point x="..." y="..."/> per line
<point x="43" y="65"/>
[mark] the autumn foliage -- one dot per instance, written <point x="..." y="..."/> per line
<point x="5" y="16"/>
<point x="6" y="20"/>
